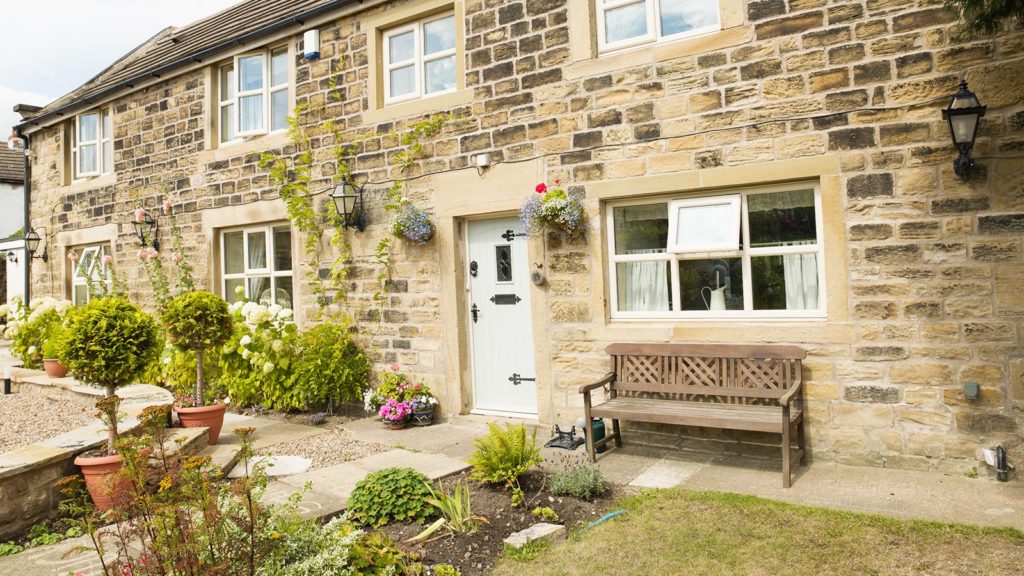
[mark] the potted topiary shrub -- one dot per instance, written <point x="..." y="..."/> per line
<point x="51" y="347"/>
<point x="198" y="322"/>
<point x="109" y="343"/>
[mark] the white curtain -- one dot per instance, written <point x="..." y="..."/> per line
<point x="646" y="288"/>
<point x="801" y="272"/>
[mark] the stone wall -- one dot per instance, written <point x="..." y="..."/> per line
<point x="929" y="267"/>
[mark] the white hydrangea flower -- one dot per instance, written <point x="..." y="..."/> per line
<point x="276" y="345"/>
<point x="31" y="350"/>
<point x="246" y="353"/>
<point x="286" y="313"/>
<point x="275" y="309"/>
<point x="245" y="340"/>
<point x="268" y="367"/>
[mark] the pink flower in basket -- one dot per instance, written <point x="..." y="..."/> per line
<point x="395" y="411"/>
<point x="541" y="188"/>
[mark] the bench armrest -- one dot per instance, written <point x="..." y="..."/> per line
<point x="607" y="379"/>
<point x="793" y="391"/>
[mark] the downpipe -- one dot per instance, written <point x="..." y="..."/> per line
<point x="1002" y="466"/>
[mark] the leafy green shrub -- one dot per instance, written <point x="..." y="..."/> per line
<point x="331" y="368"/>
<point x="9" y="549"/>
<point x="258" y="361"/>
<point x="545" y="513"/>
<point x="583" y="481"/>
<point x="338" y="549"/>
<point x="392" y="494"/>
<point x="51" y="343"/>
<point x="197" y="322"/>
<point x="29" y="328"/>
<point x="504" y="455"/>
<point x="108" y="342"/>
<point x="446" y="570"/>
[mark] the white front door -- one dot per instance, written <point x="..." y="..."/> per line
<point x="499" y="317"/>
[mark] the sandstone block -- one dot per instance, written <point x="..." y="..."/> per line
<point x="921" y="373"/>
<point x="861" y="415"/>
<point x="871" y="394"/>
<point x="937" y="417"/>
<point x="919" y="395"/>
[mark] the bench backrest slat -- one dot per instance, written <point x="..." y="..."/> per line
<point x="741" y="373"/>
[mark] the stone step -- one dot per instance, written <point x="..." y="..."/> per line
<point x="223" y="457"/>
<point x="186" y="441"/>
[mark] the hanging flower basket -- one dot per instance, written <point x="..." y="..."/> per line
<point x="553" y="208"/>
<point x="412" y="224"/>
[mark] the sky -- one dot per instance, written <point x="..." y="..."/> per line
<point x="51" y="47"/>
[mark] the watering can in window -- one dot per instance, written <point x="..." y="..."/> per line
<point x="715" y="299"/>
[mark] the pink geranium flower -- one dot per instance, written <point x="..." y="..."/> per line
<point x="541" y="188"/>
<point x="140" y="214"/>
<point x="394" y="367"/>
<point x="175" y="257"/>
<point x="167" y="207"/>
<point x="152" y="253"/>
<point x="142" y="255"/>
<point x="108" y="259"/>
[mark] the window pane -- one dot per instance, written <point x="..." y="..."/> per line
<point x="625" y="23"/>
<point x="279" y="67"/>
<point x="403" y="81"/>
<point x="250" y="72"/>
<point x="252" y="113"/>
<point x="640" y="229"/>
<point x="782" y="218"/>
<point x="279" y="110"/>
<point x="80" y="295"/>
<point x="87" y="159"/>
<point x="282" y="248"/>
<point x="257" y="250"/>
<point x="787" y="282"/>
<point x="643" y="286"/>
<point x="87" y="127"/>
<point x="503" y="263"/>
<point x="108" y="156"/>
<point x="230" y="286"/>
<point x="108" y="124"/>
<point x="227" y="83"/>
<point x="440" y="75"/>
<point x="85" y="263"/>
<point x="259" y="290"/>
<point x="227" y="123"/>
<point x="233" y="255"/>
<point x="401" y="47"/>
<point x="283" y="291"/>
<point x="439" y="35"/>
<point x="706" y="224"/>
<point x="711" y="284"/>
<point x="679" y="16"/>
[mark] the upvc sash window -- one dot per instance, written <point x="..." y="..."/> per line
<point x="419" y="59"/>
<point x="89" y="273"/>
<point x="259" y="260"/>
<point x="626" y="23"/>
<point x="253" y="94"/>
<point x="754" y="253"/>
<point x="92" y="150"/>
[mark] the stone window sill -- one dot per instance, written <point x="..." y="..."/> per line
<point x="419" y="107"/>
<point x="91" y="183"/>
<point x="256" y="144"/>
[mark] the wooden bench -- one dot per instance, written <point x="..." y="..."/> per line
<point x="735" y="387"/>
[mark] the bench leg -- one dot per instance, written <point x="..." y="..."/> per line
<point x="618" y="434"/>
<point x="786" y="480"/>
<point x="801" y="442"/>
<point x="589" y="431"/>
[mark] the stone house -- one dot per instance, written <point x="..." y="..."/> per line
<point x="810" y="129"/>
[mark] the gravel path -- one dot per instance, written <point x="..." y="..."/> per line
<point x="334" y="446"/>
<point x="29" y="418"/>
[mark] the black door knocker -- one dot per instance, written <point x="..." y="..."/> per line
<point x="473" y="267"/>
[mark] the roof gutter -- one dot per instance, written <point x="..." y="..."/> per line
<point x="196" y="57"/>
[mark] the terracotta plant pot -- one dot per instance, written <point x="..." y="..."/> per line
<point x="211" y="417"/>
<point x="54" y="369"/>
<point x="96" y="470"/>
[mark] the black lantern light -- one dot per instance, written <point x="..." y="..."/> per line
<point x="145" y="229"/>
<point x="32" y="240"/>
<point x="348" y="201"/>
<point x="964" y="114"/>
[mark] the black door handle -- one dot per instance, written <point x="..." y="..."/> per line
<point x="475" y="313"/>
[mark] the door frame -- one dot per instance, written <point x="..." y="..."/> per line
<point x="455" y="305"/>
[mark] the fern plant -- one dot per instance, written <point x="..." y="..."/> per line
<point x="503" y="455"/>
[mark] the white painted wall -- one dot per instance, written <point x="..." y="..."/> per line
<point x="15" y="270"/>
<point x="12" y="208"/>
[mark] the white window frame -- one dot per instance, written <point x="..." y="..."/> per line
<point x="745" y="253"/>
<point x="268" y="271"/>
<point x="99" y="251"/>
<point x="653" y="11"/>
<point x="267" y="91"/>
<point x="733" y="202"/>
<point x="102" y="141"/>
<point x="419" y="59"/>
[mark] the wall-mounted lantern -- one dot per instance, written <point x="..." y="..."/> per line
<point x="146" y="229"/>
<point x="964" y="115"/>
<point x="348" y="201"/>
<point x="32" y="241"/>
<point x="12" y="257"/>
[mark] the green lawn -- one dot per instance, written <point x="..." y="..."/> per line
<point x="681" y="532"/>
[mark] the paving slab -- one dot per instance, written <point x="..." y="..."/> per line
<point x="273" y="465"/>
<point x="666" y="474"/>
<point x="431" y="465"/>
<point x="450" y="439"/>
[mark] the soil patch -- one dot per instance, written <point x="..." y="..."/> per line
<point x="29" y="418"/>
<point x="475" y="554"/>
